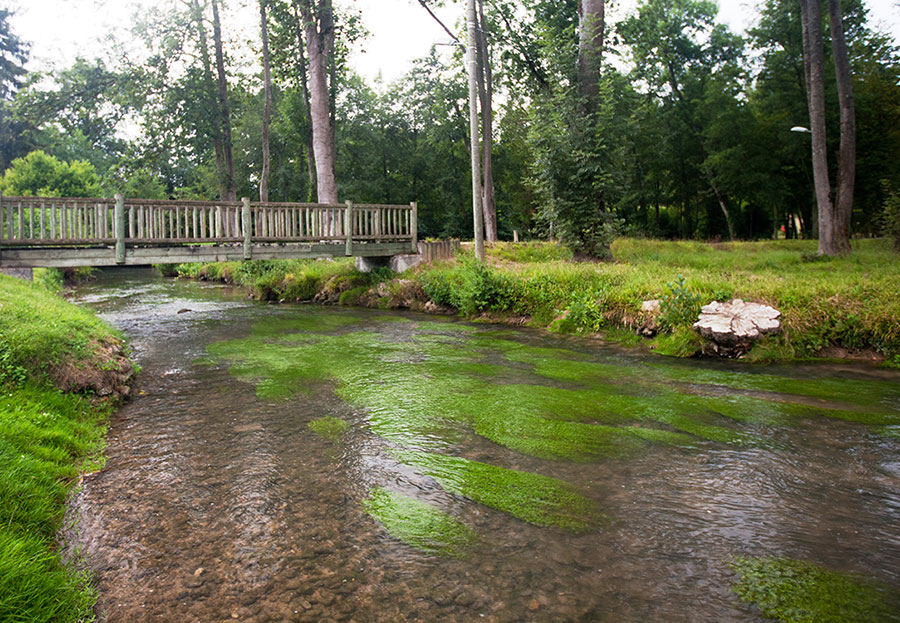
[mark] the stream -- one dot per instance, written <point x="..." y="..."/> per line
<point x="295" y="463"/>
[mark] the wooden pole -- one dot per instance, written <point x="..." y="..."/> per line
<point x="348" y="229"/>
<point x="120" y="229"/>
<point x="246" y="226"/>
<point x="475" y="142"/>
<point x="414" y="227"/>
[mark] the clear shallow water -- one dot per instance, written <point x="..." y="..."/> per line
<point x="219" y="503"/>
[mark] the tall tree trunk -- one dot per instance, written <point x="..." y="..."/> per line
<point x="486" y="95"/>
<point x="814" y="55"/>
<point x="267" y="110"/>
<point x="224" y="112"/>
<point x="319" y="30"/>
<point x="475" y="149"/>
<point x="843" y="208"/>
<point x="209" y="84"/>
<point x="304" y="88"/>
<point x="591" y="33"/>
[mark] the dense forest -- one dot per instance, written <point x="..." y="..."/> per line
<point x="663" y="124"/>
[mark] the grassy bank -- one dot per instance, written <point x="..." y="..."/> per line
<point x="831" y="307"/>
<point x="47" y="437"/>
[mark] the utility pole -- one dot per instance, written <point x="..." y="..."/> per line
<point x="475" y="142"/>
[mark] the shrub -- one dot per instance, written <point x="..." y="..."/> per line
<point x="891" y="218"/>
<point x="679" y="306"/>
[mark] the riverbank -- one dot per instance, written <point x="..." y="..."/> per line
<point x="831" y="307"/>
<point x="61" y="371"/>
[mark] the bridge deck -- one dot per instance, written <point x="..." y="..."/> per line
<point x="45" y="231"/>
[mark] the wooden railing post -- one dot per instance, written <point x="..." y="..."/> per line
<point x="119" y="216"/>
<point x="246" y="225"/>
<point x="348" y="228"/>
<point x="414" y="227"/>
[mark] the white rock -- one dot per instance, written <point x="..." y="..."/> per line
<point x="651" y="307"/>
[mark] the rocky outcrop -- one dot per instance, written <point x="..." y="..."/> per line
<point x="731" y="328"/>
<point x="107" y="373"/>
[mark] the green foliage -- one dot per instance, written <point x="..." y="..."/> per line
<point x="419" y="524"/>
<point x="39" y="329"/>
<point x="583" y="315"/>
<point x="529" y="252"/>
<point x="38" y="174"/>
<point x="679" y="305"/>
<point x="794" y="591"/>
<point x="891" y="218"/>
<point x="470" y="287"/>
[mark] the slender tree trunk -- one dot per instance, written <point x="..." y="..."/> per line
<point x="304" y="87"/>
<point x="212" y="103"/>
<point x="486" y="95"/>
<point x="814" y="55"/>
<point x="224" y="112"/>
<point x="319" y="30"/>
<point x="267" y="110"/>
<point x="591" y="33"/>
<point x="843" y="208"/>
<point x="474" y="151"/>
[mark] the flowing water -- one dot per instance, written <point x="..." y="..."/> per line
<point x="291" y="463"/>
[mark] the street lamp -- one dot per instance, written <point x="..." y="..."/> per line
<point x="801" y="129"/>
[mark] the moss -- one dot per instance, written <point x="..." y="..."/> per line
<point x="330" y="428"/>
<point x="419" y="524"/>
<point x="794" y="591"/>
<point x="534" y="498"/>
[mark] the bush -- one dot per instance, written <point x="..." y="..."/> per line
<point x="891" y="218"/>
<point x="679" y="306"/>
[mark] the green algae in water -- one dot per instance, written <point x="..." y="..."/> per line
<point x="794" y="591"/>
<point x="534" y="498"/>
<point x="419" y="524"/>
<point x="330" y="428"/>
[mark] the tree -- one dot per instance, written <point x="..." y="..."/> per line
<point x="40" y="175"/>
<point x="267" y="107"/>
<point x="834" y="218"/>
<point x="318" y="21"/>
<point x="224" y="112"/>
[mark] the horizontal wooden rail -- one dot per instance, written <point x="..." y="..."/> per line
<point x="38" y="222"/>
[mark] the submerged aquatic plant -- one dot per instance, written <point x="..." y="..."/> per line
<point x="419" y="524"/>
<point x="795" y="591"/>
<point x="537" y="499"/>
<point x="330" y="428"/>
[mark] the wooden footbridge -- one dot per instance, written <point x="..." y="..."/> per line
<point x="54" y="232"/>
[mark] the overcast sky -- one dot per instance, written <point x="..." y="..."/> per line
<point x="401" y="31"/>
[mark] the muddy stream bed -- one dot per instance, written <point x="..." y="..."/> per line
<point x="295" y="463"/>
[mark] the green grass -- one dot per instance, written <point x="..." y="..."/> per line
<point x="46" y="439"/>
<point x="40" y="330"/>
<point x="847" y="302"/>
<point x="794" y="591"/>
<point x="419" y="524"/>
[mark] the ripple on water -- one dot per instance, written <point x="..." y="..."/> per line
<point x="220" y="499"/>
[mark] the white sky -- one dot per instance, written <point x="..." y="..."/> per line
<point x="401" y="30"/>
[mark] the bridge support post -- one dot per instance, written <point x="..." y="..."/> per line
<point x="119" y="216"/>
<point x="246" y="226"/>
<point x="348" y="228"/>
<point x="414" y="227"/>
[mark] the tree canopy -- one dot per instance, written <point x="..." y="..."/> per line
<point x="664" y="123"/>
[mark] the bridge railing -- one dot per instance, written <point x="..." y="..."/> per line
<point x="40" y="221"/>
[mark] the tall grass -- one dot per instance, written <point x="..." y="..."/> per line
<point x="46" y="438"/>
